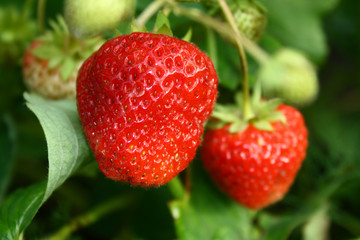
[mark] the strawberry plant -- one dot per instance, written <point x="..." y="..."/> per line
<point x="179" y="119"/>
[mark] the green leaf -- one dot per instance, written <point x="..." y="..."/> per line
<point x="208" y="213"/>
<point x="297" y="23"/>
<point x="226" y="113"/>
<point x="66" y="142"/>
<point x="162" y="25"/>
<point x="161" y="20"/>
<point x="46" y="51"/>
<point x="279" y="228"/>
<point x="339" y="133"/>
<point x="188" y="35"/>
<point x="136" y="28"/>
<point x="211" y="45"/>
<point x="347" y="220"/>
<point x="270" y="105"/>
<point x="275" y="117"/>
<point x="318" y="225"/>
<point x="19" y="209"/>
<point x="7" y="149"/>
<point x="238" y="126"/>
<point x="55" y="61"/>
<point x="67" y="150"/>
<point x="67" y="68"/>
<point x="239" y="99"/>
<point x="256" y="96"/>
<point x="165" y="30"/>
<point x="263" y="125"/>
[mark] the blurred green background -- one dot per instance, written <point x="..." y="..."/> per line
<point x="329" y="181"/>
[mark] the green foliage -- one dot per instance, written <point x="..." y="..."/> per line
<point x="7" y="149"/>
<point x="17" y="30"/>
<point x="321" y="204"/>
<point x="297" y="24"/>
<point x="67" y="146"/>
<point x="19" y="209"/>
<point x="67" y="150"/>
<point x="196" y="216"/>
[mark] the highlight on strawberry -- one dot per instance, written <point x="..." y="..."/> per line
<point x="143" y="99"/>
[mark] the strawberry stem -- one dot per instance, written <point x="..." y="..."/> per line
<point x="149" y="12"/>
<point x="92" y="216"/>
<point x="222" y="28"/>
<point x="176" y="188"/>
<point x="248" y="113"/>
<point x="41" y="15"/>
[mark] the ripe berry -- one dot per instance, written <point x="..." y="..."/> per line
<point x="256" y="167"/>
<point x="143" y="99"/>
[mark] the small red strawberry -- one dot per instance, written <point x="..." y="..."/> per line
<point x="143" y="99"/>
<point x="51" y="62"/>
<point x="256" y="167"/>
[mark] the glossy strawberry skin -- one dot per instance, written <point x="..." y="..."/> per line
<point x="143" y="99"/>
<point x="257" y="167"/>
<point x="39" y="78"/>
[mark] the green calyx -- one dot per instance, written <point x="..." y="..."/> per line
<point x="265" y="112"/>
<point x="161" y="26"/>
<point x="62" y="50"/>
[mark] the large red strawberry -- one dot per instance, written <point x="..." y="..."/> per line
<point x="143" y="99"/>
<point x="256" y="167"/>
<point x="51" y="62"/>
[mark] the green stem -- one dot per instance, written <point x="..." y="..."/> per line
<point x="91" y="217"/>
<point x="211" y="46"/>
<point x="176" y="188"/>
<point x="149" y="12"/>
<point x="41" y="15"/>
<point x="248" y="113"/>
<point x="222" y="28"/>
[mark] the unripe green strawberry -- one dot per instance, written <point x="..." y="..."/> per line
<point x="51" y="62"/>
<point x="291" y="76"/>
<point x="17" y="31"/>
<point x="39" y="78"/>
<point x="250" y="18"/>
<point x="91" y="17"/>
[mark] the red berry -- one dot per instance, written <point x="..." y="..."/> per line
<point x="143" y="99"/>
<point x="257" y="167"/>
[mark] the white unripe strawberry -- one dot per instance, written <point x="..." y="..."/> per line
<point x="91" y="17"/>
<point x="291" y="76"/>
